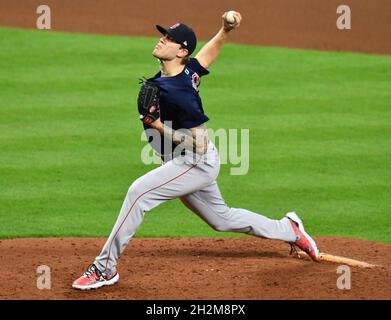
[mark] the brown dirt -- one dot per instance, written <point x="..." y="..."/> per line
<point x="245" y="268"/>
<point x="287" y="23"/>
<point x="194" y="268"/>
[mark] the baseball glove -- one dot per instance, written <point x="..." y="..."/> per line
<point x="148" y="101"/>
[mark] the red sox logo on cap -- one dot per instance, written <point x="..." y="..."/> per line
<point x="175" y="25"/>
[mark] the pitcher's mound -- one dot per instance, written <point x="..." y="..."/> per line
<point x="194" y="268"/>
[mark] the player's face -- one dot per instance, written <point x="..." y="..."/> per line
<point x="166" y="48"/>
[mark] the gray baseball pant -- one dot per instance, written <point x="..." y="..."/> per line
<point x="192" y="178"/>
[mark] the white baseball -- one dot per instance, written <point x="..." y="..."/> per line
<point x="230" y="17"/>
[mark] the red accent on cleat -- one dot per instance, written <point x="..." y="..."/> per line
<point x="93" y="279"/>
<point x="303" y="240"/>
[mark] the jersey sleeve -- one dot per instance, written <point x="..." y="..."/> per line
<point x="194" y="65"/>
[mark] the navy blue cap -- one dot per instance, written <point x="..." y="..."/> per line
<point x="182" y="34"/>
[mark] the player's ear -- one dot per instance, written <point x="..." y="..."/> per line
<point x="184" y="53"/>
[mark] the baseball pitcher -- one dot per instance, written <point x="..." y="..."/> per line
<point x="174" y="120"/>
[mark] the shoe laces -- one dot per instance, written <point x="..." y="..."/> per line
<point x="91" y="270"/>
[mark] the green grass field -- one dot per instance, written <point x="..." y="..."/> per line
<point x="320" y="136"/>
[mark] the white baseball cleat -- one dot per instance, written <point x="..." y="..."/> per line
<point x="94" y="279"/>
<point x="303" y="240"/>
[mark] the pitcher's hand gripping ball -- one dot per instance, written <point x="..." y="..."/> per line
<point x="231" y="20"/>
<point x="148" y="101"/>
<point x="230" y="17"/>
